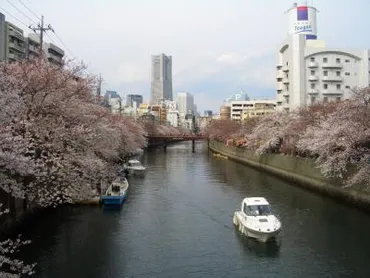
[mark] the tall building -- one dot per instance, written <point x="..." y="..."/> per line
<point x="161" y="78"/>
<point x="185" y="103"/>
<point x="14" y="47"/>
<point x="308" y="71"/>
<point x="131" y="99"/>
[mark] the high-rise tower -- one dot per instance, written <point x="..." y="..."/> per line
<point x="161" y="78"/>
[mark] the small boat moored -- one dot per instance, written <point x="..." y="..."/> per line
<point x="255" y="219"/>
<point x="116" y="193"/>
<point x="134" y="167"/>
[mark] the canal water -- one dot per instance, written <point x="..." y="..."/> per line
<point x="177" y="222"/>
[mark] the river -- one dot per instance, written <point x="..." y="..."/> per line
<point x="177" y="222"/>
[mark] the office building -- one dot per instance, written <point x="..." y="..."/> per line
<point x="244" y="109"/>
<point x="308" y="71"/>
<point x="113" y="101"/>
<point x="132" y="99"/>
<point x="161" y="83"/>
<point x="185" y="103"/>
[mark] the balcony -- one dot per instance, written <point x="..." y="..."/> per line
<point x="15" y="34"/>
<point x="313" y="91"/>
<point x="332" y="92"/>
<point x="332" y="79"/>
<point x="33" y="48"/>
<point x="286" y="93"/>
<point x="313" y="64"/>
<point x="17" y="47"/>
<point x="285" y="68"/>
<point x="286" y="81"/>
<point x="332" y="66"/>
<point x="280" y="74"/>
<point x="313" y="78"/>
<point x="279" y="86"/>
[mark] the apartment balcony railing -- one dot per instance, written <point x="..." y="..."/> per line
<point x="332" y="65"/>
<point x="332" y="78"/>
<point x="313" y="78"/>
<point x="332" y="92"/>
<point x="313" y="64"/>
<point x="313" y="91"/>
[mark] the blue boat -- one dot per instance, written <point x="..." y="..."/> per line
<point x="116" y="193"/>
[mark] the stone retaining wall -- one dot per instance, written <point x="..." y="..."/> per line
<point x="301" y="171"/>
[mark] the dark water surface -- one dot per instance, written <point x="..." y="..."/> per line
<point x="177" y="222"/>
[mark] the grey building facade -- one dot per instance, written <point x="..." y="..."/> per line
<point x="130" y="99"/>
<point x="161" y="78"/>
<point x="15" y="47"/>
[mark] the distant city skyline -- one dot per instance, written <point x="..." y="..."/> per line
<point x="225" y="47"/>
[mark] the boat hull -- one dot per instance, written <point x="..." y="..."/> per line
<point x="258" y="235"/>
<point x="113" y="201"/>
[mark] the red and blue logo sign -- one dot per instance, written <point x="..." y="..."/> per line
<point x="302" y="13"/>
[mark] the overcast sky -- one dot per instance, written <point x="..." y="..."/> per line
<point x="218" y="47"/>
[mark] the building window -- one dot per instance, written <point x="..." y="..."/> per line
<point x="312" y="59"/>
<point x="287" y="63"/>
<point x="280" y="79"/>
<point x="325" y="86"/>
<point x="313" y="99"/>
<point x="337" y="60"/>
<point x="338" y="73"/>
<point x="325" y="73"/>
<point x="347" y="73"/>
<point x="325" y="60"/>
<point x="313" y="85"/>
<point x="339" y="86"/>
<point x="348" y="87"/>
<point x="325" y="99"/>
<point x="312" y="72"/>
<point x="347" y="61"/>
<point x="338" y="99"/>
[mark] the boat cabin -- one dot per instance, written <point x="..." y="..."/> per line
<point x="256" y="206"/>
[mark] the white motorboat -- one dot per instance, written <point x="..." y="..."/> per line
<point x="134" y="167"/>
<point x="255" y="219"/>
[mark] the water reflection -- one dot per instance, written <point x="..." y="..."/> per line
<point x="270" y="249"/>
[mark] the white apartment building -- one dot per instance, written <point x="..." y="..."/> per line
<point x="173" y="115"/>
<point x="240" y="107"/>
<point x="161" y="78"/>
<point x="308" y="71"/>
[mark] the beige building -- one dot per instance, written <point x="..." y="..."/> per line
<point x="244" y="109"/>
<point x="225" y="112"/>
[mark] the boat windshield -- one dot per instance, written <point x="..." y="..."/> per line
<point x="259" y="210"/>
<point x="134" y="164"/>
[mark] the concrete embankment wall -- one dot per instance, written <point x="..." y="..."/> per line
<point x="301" y="171"/>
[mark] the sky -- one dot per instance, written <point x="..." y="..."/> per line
<point x="218" y="47"/>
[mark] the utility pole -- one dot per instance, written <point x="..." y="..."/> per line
<point x="40" y="27"/>
<point x="99" y="86"/>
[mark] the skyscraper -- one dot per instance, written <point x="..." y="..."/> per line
<point x="185" y="102"/>
<point x="161" y="78"/>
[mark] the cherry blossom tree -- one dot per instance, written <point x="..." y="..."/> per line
<point x="221" y="130"/>
<point x="341" y="143"/>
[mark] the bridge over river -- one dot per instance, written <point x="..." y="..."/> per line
<point x="177" y="222"/>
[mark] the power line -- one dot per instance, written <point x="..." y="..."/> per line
<point x="15" y="7"/>
<point x="24" y="5"/>
<point x="20" y="21"/>
<point x="60" y="40"/>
